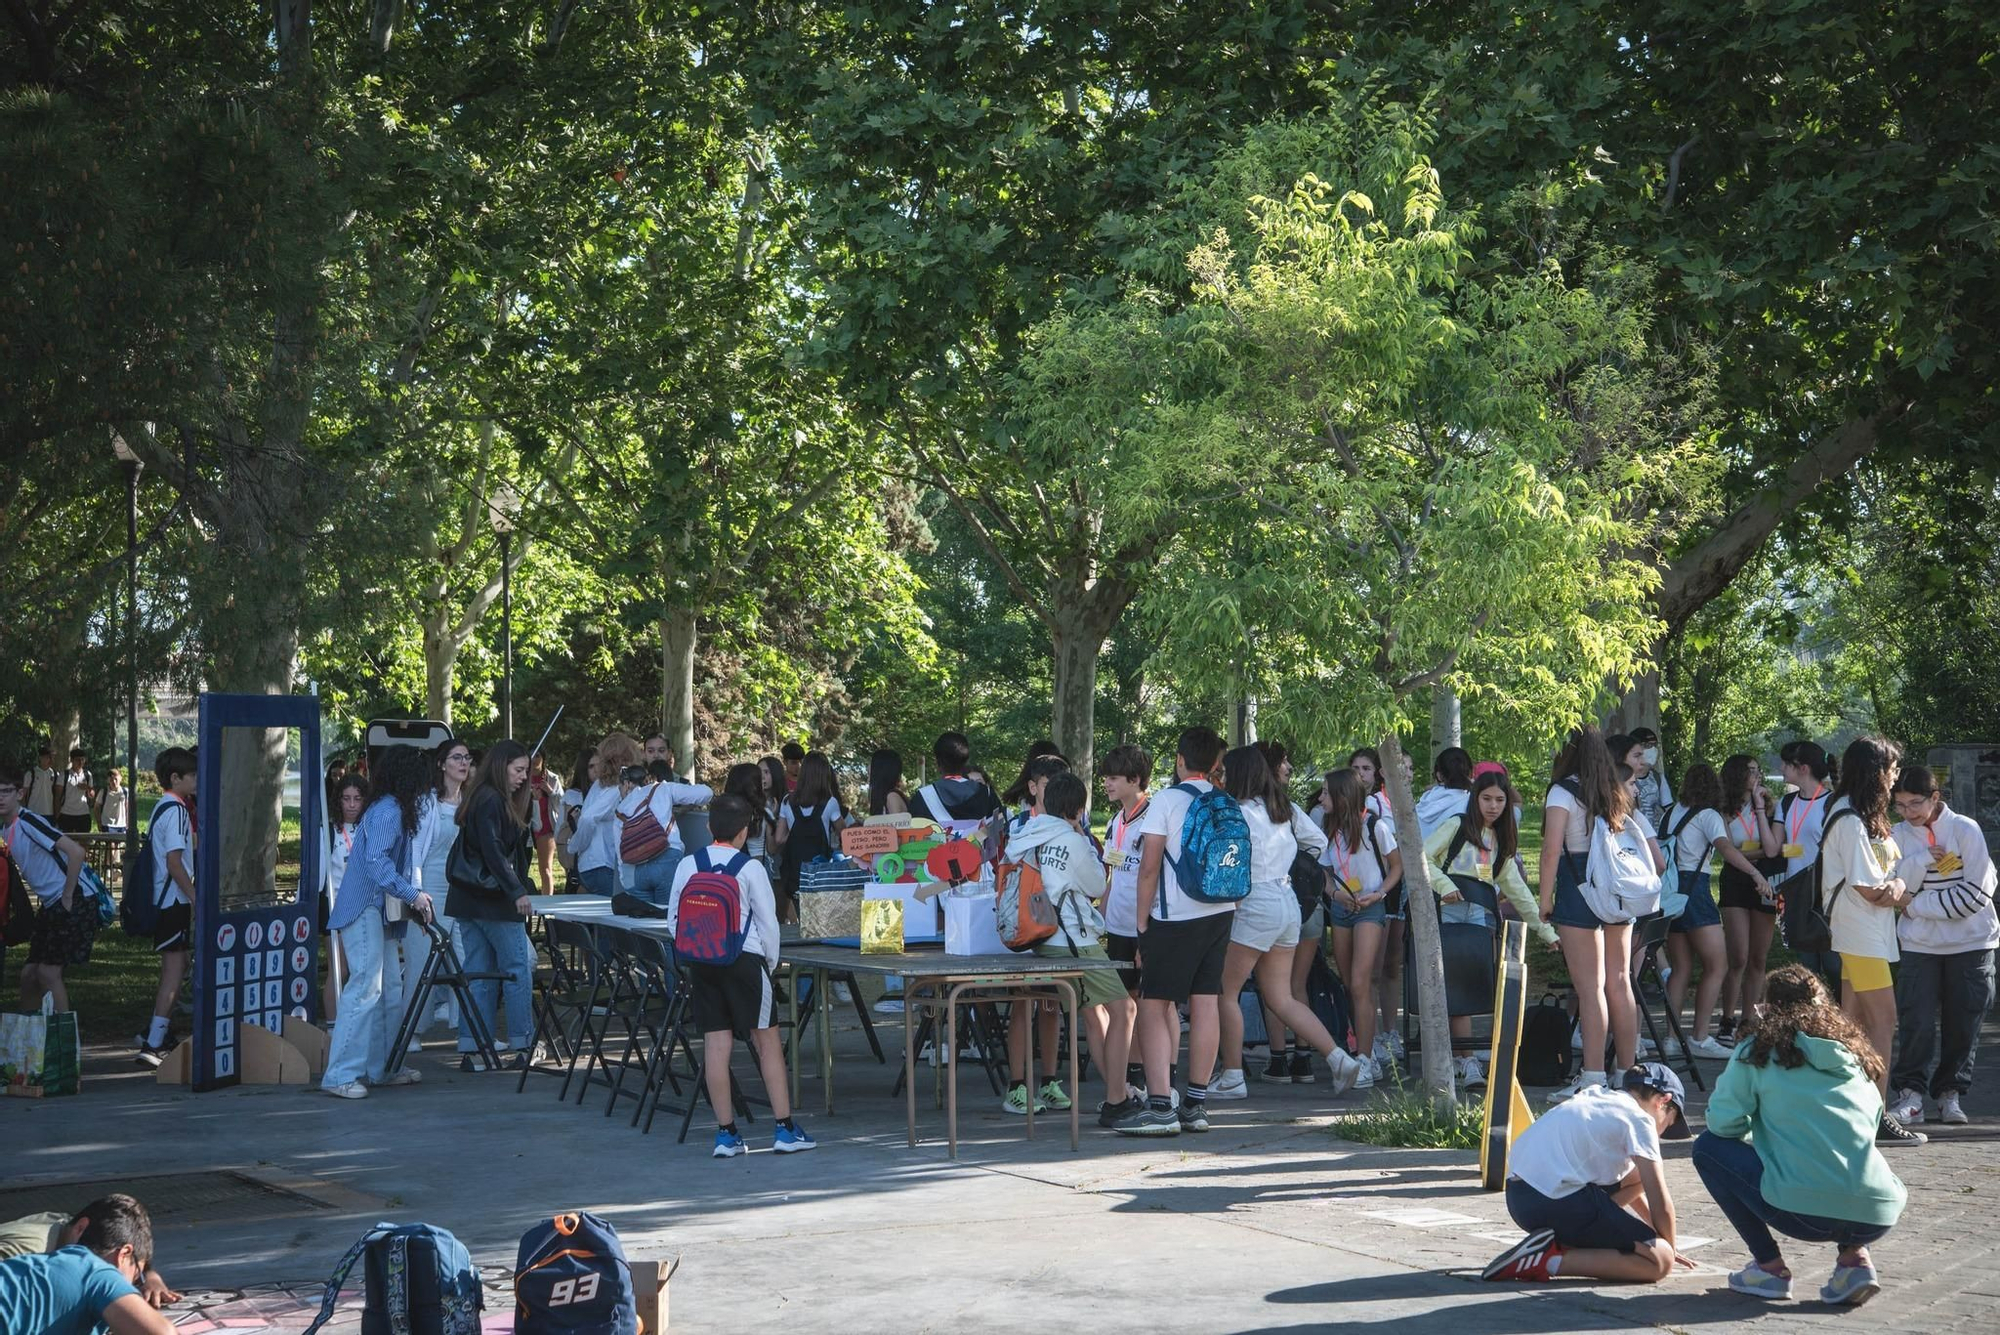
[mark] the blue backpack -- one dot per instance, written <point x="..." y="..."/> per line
<point x="420" y="1281"/>
<point x="570" y="1279"/>
<point x="1214" y="866"/>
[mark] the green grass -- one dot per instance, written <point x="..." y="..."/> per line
<point x="1406" y="1119"/>
<point x="113" y="994"/>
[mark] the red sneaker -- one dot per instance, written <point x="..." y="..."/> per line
<point x="1527" y="1259"/>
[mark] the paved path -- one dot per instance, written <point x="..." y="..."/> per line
<point x="1269" y="1223"/>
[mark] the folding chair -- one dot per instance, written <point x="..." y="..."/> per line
<point x="681" y="1035"/>
<point x="809" y="998"/>
<point x="1649" y="937"/>
<point x="647" y="965"/>
<point x="561" y="992"/>
<point x="443" y="969"/>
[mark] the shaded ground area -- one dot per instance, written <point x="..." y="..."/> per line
<point x="1269" y="1223"/>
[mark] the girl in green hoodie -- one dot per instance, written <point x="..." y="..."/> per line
<point x="1790" y="1144"/>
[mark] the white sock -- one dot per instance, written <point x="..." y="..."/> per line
<point x="156" y="1033"/>
<point x="1594" y="1078"/>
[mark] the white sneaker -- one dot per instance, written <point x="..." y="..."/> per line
<point x="889" y="1006"/>
<point x="406" y="1076"/>
<point x="1468" y="1072"/>
<point x="1367" y="1072"/>
<point x="1382" y="1052"/>
<point x="1582" y="1081"/>
<point x="353" y="1089"/>
<point x="1907" y="1106"/>
<point x="1396" y="1048"/>
<point x="1949" y="1112"/>
<point x="1648" y="1048"/>
<point x="1228" y="1085"/>
<point x="1707" y="1046"/>
<point x="1348" y="1073"/>
<point x="842" y="994"/>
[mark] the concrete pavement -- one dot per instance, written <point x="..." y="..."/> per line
<point x="1268" y="1223"/>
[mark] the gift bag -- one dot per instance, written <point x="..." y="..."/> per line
<point x="829" y="914"/>
<point x="39" y="1052"/>
<point x="881" y="926"/>
<point x="969" y="927"/>
<point x="921" y="922"/>
<point x="835" y="873"/>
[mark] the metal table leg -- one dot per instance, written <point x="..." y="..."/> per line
<point x="792" y="999"/>
<point x="1069" y="994"/>
<point x="825" y="1014"/>
<point x="909" y="1067"/>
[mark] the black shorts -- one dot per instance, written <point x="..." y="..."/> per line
<point x="64" y="937"/>
<point x="1184" y="959"/>
<point x="737" y="997"/>
<point x="1124" y="949"/>
<point x="1740" y="892"/>
<point x="1586" y="1218"/>
<point x="174" y="929"/>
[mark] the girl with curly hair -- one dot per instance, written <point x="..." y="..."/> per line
<point x="1790" y="1144"/>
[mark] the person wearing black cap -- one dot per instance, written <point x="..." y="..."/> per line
<point x="1585" y="1182"/>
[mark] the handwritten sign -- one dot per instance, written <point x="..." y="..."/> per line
<point x="862" y="842"/>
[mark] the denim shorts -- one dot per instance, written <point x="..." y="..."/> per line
<point x="1338" y="916"/>
<point x="1701" y="910"/>
<point x="1571" y="908"/>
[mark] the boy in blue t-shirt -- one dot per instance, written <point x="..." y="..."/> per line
<point x="88" y="1287"/>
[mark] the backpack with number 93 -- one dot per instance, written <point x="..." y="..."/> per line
<point x="570" y="1279"/>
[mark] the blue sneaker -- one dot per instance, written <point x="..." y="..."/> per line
<point x="1851" y="1284"/>
<point x="728" y="1145"/>
<point x="792" y="1139"/>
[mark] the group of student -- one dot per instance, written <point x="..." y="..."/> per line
<point x="1917" y="892"/>
<point x="70" y="798"/>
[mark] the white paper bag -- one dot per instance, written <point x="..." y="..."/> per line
<point x="920" y="916"/>
<point x="970" y="927"/>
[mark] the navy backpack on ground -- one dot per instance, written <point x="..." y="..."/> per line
<point x="1544" y="1056"/>
<point x="420" y="1281"/>
<point x="570" y="1279"/>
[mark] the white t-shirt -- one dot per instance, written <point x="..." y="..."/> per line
<point x="1696" y="841"/>
<point x="1592" y="1140"/>
<point x="1165" y="817"/>
<point x="1122" y="846"/>
<point x="1376" y="834"/>
<point x="32" y="840"/>
<point x="114" y="808"/>
<point x="76" y="793"/>
<point x="339" y="844"/>
<point x="1852" y="858"/>
<point x="1378" y="803"/>
<point x="41" y="798"/>
<point x="829" y="816"/>
<point x="1798" y="823"/>
<point x="1576" y="830"/>
<point x="1274" y="845"/>
<point x="760" y="903"/>
<point x="172" y="832"/>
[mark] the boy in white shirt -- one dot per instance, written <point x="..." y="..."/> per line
<point x="1182" y="945"/>
<point x="1585" y="1181"/>
<point x="50" y="862"/>
<point x="735" y="1000"/>
<point x="172" y="828"/>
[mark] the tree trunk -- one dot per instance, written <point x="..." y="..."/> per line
<point x="440" y="659"/>
<point x="677" y="636"/>
<point x="1703" y="571"/>
<point x="1079" y="637"/>
<point x="1639" y="706"/>
<point x="1421" y="903"/>
<point x="1447" y="723"/>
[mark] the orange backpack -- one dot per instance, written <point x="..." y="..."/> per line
<point x="1021" y="906"/>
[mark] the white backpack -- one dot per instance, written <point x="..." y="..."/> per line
<point x="1619" y="881"/>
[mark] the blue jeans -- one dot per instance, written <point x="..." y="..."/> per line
<point x="654" y="881"/>
<point x="489" y="945"/>
<point x="371" y="1005"/>
<point x="1734" y="1176"/>
<point x="599" y="881"/>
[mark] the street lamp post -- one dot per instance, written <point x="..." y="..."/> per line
<point x="501" y="510"/>
<point x="132" y="465"/>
